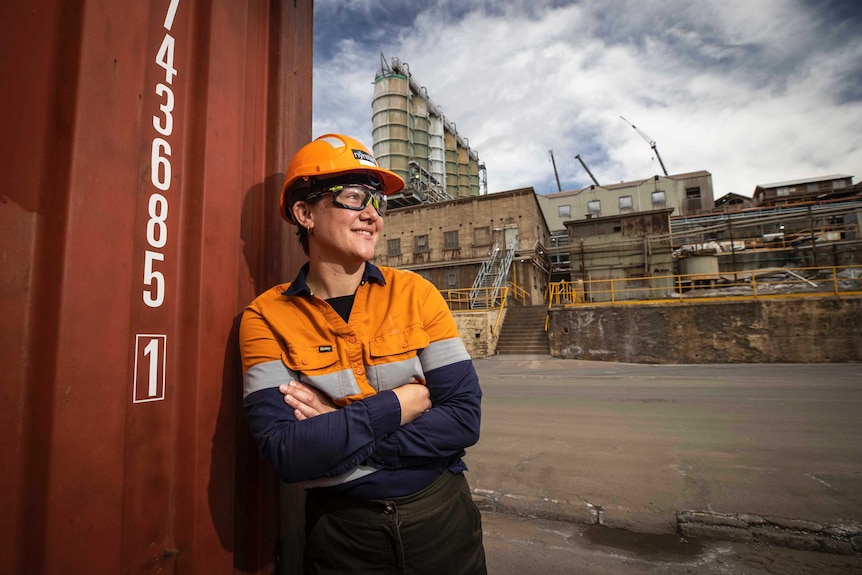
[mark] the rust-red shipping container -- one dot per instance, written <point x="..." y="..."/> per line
<point x="142" y="149"/>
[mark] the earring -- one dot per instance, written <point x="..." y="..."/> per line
<point x="310" y="230"/>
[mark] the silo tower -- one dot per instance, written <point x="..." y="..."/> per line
<point x="412" y="138"/>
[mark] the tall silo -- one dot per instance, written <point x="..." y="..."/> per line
<point x="412" y="138"/>
<point x="437" y="150"/>
<point x="451" y="151"/>
<point x="463" y="169"/>
<point x="421" y="126"/>
<point x="390" y="121"/>
<point x="473" y="170"/>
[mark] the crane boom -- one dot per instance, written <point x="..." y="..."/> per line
<point x="556" y="175"/>
<point x="592" y="177"/>
<point x="650" y="141"/>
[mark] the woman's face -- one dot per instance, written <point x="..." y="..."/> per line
<point x="342" y="235"/>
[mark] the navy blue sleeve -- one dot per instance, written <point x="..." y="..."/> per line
<point x="326" y="445"/>
<point x="437" y="438"/>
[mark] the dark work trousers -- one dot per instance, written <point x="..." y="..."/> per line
<point x="437" y="531"/>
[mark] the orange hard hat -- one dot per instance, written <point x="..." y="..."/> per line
<point x="330" y="156"/>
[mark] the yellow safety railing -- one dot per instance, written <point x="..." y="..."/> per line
<point x="488" y="299"/>
<point x="563" y="293"/>
<point x="763" y="283"/>
<point x="519" y="293"/>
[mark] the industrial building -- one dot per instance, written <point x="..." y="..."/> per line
<point x="632" y="247"/>
<point x="685" y="194"/>
<point x="633" y="240"/>
<point x="413" y="138"/>
<point x="689" y="193"/>
<point x="808" y="189"/>
<point x="452" y="243"/>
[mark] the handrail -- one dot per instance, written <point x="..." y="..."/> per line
<point x="745" y="284"/>
<point x="502" y="309"/>
<point x="492" y="273"/>
<point x="519" y="293"/>
<point x="462" y="300"/>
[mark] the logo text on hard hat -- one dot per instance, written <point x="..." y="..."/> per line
<point x="364" y="157"/>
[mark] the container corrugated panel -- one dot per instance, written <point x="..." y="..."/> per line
<point x="142" y="149"/>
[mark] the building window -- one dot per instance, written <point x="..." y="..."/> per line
<point x="420" y="244"/>
<point x="564" y="211"/>
<point x="452" y="277"/>
<point x="594" y="207"/>
<point x="482" y="236"/>
<point x="785" y="191"/>
<point x="450" y="240"/>
<point x="625" y="203"/>
<point x="658" y="198"/>
<point x="393" y="247"/>
<point x="692" y="193"/>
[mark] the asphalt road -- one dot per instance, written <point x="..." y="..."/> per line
<point x="631" y="446"/>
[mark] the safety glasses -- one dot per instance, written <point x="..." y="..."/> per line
<point x="354" y="197"/>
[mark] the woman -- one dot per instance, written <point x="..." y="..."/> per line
<point x="358" y="386"/>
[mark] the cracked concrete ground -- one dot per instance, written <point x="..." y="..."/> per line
<point x="516" y="545"/>
<point x="647" y="448"/>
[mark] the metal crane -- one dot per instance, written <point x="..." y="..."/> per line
<point x="592" y="177"/>
<point x="556" y="175"/>
<point x="651" y="143"/>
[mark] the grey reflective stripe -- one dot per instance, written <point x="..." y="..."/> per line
<point x="336" y="385"/>
<point x="396" y="374"/>
<point x="442" y="353"/>
<point x="353" y="474"/>
<point x="266" y="375"/>
<point x="274" y="373"/>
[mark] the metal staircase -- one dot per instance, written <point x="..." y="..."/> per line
<point x="491" y="278"/>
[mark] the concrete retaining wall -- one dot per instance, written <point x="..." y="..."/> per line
<point x="803" y="330"/>
<point x="476" y="329"/>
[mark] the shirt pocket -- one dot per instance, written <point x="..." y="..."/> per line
<point x="406" y="341"/>
<point x="395" y="358"/>
<point x="320" y="369"/>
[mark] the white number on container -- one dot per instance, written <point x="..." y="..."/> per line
<point x="157" y="230"/>
<point x="160" y="166"/>
<point x="168" y="127"/>
<point x="149" y="379"/>
<point x="165" y="58"/>
<point x="156" y="279"/>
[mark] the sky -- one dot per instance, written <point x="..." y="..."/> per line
<point x="752" y="91"/>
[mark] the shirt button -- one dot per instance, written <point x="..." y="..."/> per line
<point x="351" y="339"/>
<point x="304" y="362"/>
<point x="403" y="344"/>
<point x="359" y="371"/>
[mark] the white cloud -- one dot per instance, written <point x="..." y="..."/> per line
<point x="751" y="92"/>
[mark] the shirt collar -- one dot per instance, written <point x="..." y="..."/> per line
<point x="299" y="286"/>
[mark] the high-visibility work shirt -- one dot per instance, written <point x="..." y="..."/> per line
<point x="400" y="331"/>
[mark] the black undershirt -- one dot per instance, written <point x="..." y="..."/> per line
<point x="342" y="305"/>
